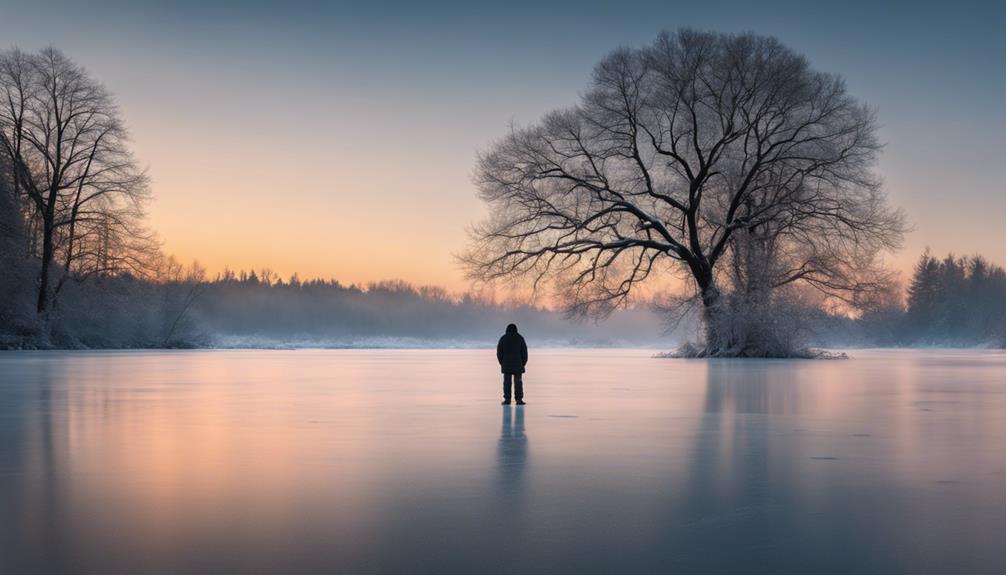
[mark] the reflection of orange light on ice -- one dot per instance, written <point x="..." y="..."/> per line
<point x="167" y="449"/>
<point x="210" y="440"/>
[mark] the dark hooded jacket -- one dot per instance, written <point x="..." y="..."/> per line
<point x="511" y="351"/>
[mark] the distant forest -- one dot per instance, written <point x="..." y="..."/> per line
<point x="249" y="309"/>
<point x="954" y="301"/>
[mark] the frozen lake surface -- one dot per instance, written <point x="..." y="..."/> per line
<point x="403" y="461"/>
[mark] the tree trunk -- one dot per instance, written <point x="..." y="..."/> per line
<point x="715" y="340"/>
<point x="43" y="282"/>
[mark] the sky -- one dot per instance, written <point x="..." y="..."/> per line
<point x="338" y="139"/>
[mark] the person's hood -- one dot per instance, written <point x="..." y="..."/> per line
<point x="512" y="328"/>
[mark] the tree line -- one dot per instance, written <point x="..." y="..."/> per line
<point x="948" y="302"/>
<point x="957" y="301"/>
<point x="961" y="300"/>
<point x="261" y="309"/>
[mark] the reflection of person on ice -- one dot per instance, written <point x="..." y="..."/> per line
<point x="511" y="352"/>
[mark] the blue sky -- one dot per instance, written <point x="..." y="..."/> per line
<point x="341" y="136"/>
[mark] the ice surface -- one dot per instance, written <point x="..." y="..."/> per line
<point x="403" y="461"/>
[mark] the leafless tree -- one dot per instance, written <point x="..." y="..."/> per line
<point x="16" y="317"/>
<point x="84" y="193"/>
<point x="724" y="158"/>
<point x="181" y="288"/>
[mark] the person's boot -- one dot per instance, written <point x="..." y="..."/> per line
<point x="506" y="402"/>
<point x="519" y="402"/>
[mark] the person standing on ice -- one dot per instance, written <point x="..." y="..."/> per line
<point x="511" y="352"/>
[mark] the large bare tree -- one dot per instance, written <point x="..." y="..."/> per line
<point x="61" y="132"/>
<point x="693" y="155"/>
